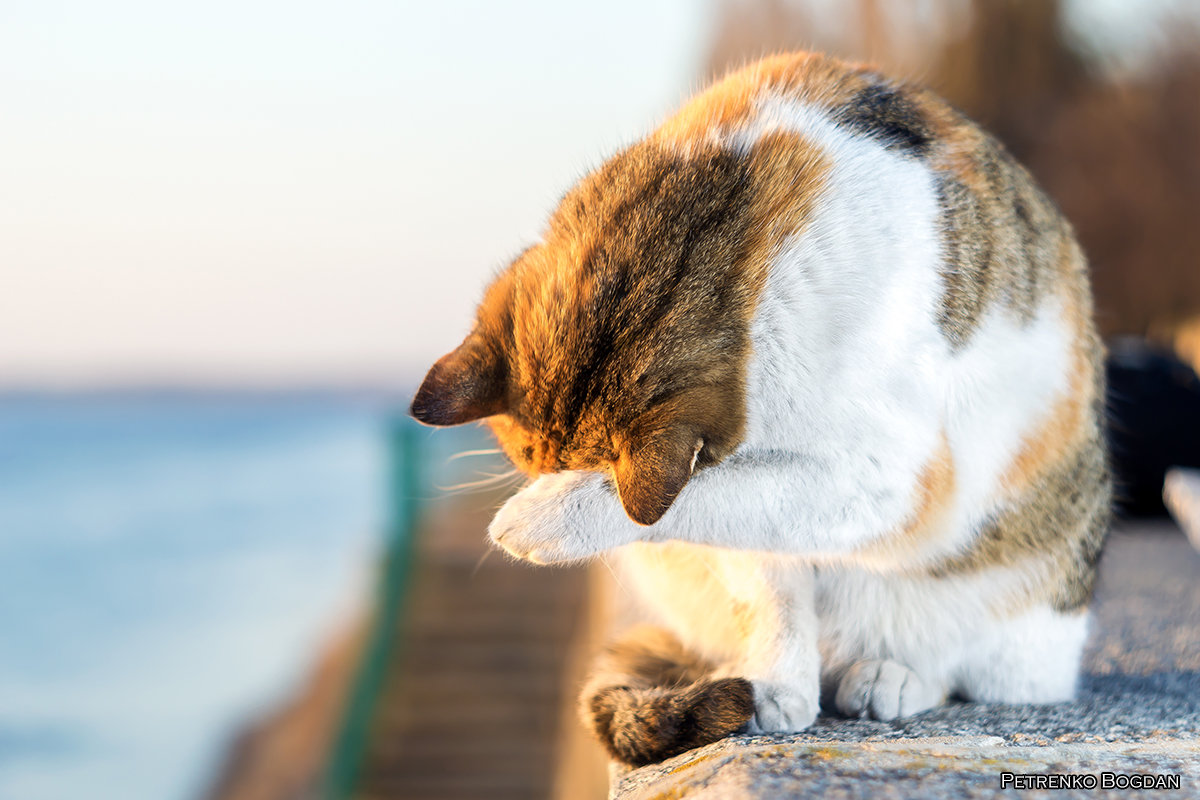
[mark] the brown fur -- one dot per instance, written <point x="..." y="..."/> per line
<point x="1059" y="479"/>
<point x="1004" y="238"/>
<point x="650" y="699"/>
<point x="572" y="365"/>
<point x="1061" y="522"/>
<point x="788" y="175"/>
<point x="586" y="373"/>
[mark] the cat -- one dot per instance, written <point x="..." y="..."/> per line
<point x="816" y="361"/>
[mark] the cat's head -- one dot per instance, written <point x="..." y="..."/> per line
<point x="617" y="343"/>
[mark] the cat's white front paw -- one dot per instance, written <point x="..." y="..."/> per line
<point x="782" y="709"/>
<point x="884" y="690"/>
<point x="562" y="517"/>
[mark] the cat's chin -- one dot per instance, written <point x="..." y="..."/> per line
<point x="562" y="518"/>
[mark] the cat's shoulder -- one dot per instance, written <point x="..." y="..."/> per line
<point x="859" y="97"/>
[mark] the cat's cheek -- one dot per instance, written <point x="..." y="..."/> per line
<point x="563" y="517"/>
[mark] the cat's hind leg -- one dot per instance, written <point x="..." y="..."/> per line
<point x="1031" y="658"/>
<point x="648" y="699"/>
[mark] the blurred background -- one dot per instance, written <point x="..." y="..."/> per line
<point x="234" y="235"/>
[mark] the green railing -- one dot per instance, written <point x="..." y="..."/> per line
<point x="405" y="439"/>
<point x="420" y="464"/>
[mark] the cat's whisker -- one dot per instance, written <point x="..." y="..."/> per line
<point x="468" y="453"/>
<point x="496" y="479"/>
<point x="613" y="572"/>
<point x="479" y="564"/>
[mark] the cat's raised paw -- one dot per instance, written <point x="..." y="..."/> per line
<point x="781" y="709"/>
<point x="884" y="690"/>
<point x="562" y="517"/>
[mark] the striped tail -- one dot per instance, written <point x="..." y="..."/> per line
<point x="649" y="699"/>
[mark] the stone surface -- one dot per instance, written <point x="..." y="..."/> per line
<point x="951" y="766"/>
<point x="1138" y="711"/>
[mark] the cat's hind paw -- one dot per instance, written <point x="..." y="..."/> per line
<point x="882" y="689"/>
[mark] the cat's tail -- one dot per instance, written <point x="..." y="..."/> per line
<point x="649" y="699"/>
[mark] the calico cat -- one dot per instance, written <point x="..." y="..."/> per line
<point x="816" y="359"/>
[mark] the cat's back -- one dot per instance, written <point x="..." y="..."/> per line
<point x="999" y="240"/>
<point x="908" y="256"/>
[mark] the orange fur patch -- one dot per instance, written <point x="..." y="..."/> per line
<point x="730" y="102"/>
<point x="932" y="496"/>
<point x="1046" y="445"/>
<point x="789" y="174"/>
<point x="1066" y="424"/>
<point x="959" y="141"/>
<point x="935" y="488"/>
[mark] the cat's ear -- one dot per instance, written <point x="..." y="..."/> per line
<point x="464" y="385"/>
<point x="652" y="471"/>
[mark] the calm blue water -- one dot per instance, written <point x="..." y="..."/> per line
<point x="168" y="568"/>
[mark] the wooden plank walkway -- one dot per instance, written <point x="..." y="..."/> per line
<point x="476" y="701"/>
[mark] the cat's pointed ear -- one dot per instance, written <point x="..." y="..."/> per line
<point x="651" y="473"/>
<point x="464" y="385"/>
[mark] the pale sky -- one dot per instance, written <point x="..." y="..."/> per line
<point x="277" y="192"/>
<point x="280" y="192"/>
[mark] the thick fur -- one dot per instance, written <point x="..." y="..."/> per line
<point x="649" y="699"/>
<point x="817" y="361"/>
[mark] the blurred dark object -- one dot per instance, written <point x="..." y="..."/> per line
<point x="1154" y="422"/>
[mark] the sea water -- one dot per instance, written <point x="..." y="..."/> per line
<point x="169" y="568"/>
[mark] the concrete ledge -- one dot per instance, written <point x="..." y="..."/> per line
<point x="939" y="766"/>
<point x="1120" y="724"/>
<point x="1138" y="711"/>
